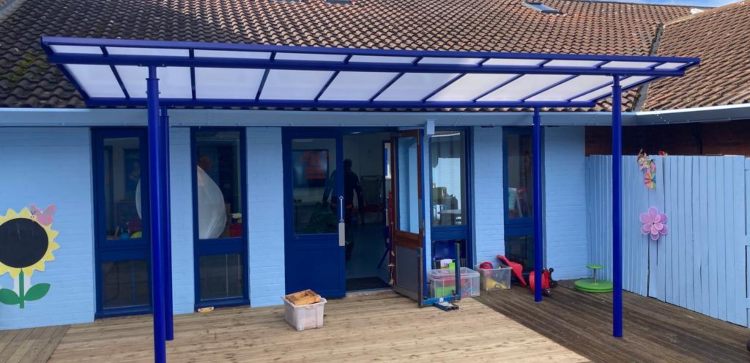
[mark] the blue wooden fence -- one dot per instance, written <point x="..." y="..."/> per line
<point x="701" y="264"/>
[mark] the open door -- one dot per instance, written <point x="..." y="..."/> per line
<point x="407" y="222"/>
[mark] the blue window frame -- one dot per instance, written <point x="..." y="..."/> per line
<point x="219" y="216"/>
<point x="451" y="196"/>
<point x="122" y="253"/>
<point x="518" y="195"/>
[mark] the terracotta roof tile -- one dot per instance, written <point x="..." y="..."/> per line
<point x="720" y="38"/>
<point x="27" y="80"/>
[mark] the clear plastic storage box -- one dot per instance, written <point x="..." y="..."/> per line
<point x="303" y="317"/>
<point x="443" y="282"/>
<point x="495" y="279"/>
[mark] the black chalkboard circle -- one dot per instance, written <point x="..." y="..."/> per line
<point x="23" y="242"/>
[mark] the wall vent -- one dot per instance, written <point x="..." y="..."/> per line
<point x="539" y="6"/>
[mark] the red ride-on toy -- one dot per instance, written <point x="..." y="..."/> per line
<point x="547" y="282"/>
<point x="516" y="267"/>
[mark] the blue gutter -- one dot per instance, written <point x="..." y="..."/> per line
<point x="168" y="305"/>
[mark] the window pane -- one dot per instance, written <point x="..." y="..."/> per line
<point x="408" y="188"/>
<point x="447" y="155"/>
<point x="519" y="175"/>
<point x="125" y="283"/>
<point x="221" y="276"/>
<point x="314" y="186"/>
<point x="122" y="188"/>
<point x="521" y="249"/>
<point x="219" y="184"/>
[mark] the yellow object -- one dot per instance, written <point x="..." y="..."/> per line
<point x="51" y="245"/>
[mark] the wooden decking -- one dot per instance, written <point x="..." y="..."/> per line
<point x="654" y="331"/>
<point x="381" y="327"/>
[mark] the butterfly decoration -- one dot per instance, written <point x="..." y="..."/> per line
<point x="648" y="167"/>
<point x="43" y="217"/>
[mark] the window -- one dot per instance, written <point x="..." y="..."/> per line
<point x="122" y="188"/>
<point x="219" y="185"/>
<point x="448" y="158"/>
<point x="519" y="188"/>
<point x="221" y="247"/>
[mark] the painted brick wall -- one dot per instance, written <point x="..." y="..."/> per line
<point x="265" y="192"/>
<point x="46" y="166"/>
<point x="489" y="228"/>
<point x="183" y="277"/>
<point x="565" y="201"/>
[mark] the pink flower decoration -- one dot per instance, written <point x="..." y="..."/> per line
<point x="654" y="223"/>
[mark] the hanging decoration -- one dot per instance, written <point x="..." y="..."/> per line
<point x="654" y="223"/>
<point x="648" y="167"/>
<point x="26" y="244"/>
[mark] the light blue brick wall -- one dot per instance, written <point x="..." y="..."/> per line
<point x="46" y="166"/>
<point x="489" y="228"/>
<point x="265" y="193"/>
<point x="180" y="169"/>
<point x="565" y="201"/>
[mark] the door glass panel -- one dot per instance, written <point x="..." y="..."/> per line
<point x="519" y="175"/>
<point x="447" y="155"/>
<point x="314" y="186"/>
<point x="122" y="188"/>
<point x="221" y="276"/>
<point x="408" y="179"/>
<point x="219" y="184"/>
<point x="125" y="283"/>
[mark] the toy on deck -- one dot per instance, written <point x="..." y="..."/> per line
<point x="593" y="285"/>
<point x="547" y="282"/>
<point x="516" y="267"/>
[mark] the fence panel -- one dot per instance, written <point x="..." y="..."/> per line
<point x="701" y="264"/>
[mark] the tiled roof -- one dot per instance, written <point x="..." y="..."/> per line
<point x="28" y="80"/>
<point x="721" y="38"/>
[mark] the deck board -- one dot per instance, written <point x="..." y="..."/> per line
<point x="654" y="331"/>
<point x="379" y="327"/>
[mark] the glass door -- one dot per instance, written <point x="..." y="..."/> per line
<point x="219" y="212"/>
<point x="123" y="284"/>
<point x="519" y="221"/>
<point x="316" y="212"/>
<point x="408" y="224"/>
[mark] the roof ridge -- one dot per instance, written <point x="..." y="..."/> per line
<point x="626" y="2"/>
<point x="706" y="12"/>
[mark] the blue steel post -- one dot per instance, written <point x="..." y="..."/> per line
<point x="537" y="175"/>
<point x="617" y="206"/>
<point x="156" y="198"/>
<point x="168" y="306"/>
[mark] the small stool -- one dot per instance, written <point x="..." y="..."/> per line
<point x="593" y="285"/>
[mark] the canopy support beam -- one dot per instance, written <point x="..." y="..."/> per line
<point x="156" y="198"/>
<point x="617" y="206"/>
<point x="537" y="198"/>
<point x="168" y="305"/>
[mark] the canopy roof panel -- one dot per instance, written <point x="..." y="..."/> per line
<point x="113" y="72"/>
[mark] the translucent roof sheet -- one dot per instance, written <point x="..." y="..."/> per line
<point x="113" y="73"/>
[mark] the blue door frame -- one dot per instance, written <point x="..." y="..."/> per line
<point x="220" y="246"/>
<point x="313" y="261"/>
<point x="121" y="249"/>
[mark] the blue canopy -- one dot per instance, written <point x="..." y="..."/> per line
<point x="160" y="74"/>
<point x="113" y="72"/>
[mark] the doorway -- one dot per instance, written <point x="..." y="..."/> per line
<point x="339" y="236"/>
<point x="122" y="234"/>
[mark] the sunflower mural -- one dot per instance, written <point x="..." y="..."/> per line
<point x="26" y="244"/>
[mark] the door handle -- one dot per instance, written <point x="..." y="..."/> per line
<point x="342" y="223"/>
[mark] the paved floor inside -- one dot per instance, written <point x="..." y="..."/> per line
<point x="654" y="331"/>
<point x="363" y="328"/>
